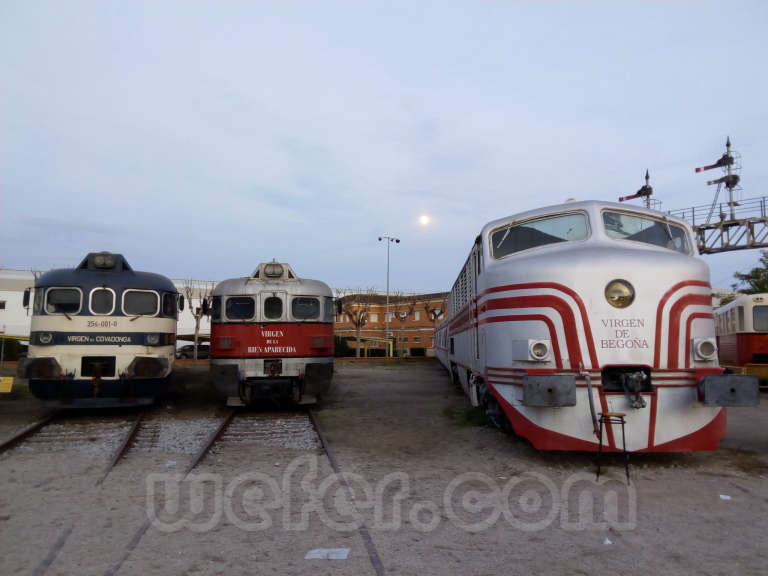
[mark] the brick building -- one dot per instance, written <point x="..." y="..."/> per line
<point x="411" y="326"/>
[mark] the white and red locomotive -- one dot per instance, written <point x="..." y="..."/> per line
<point x="742" y="335"/>
<point x="272" y="336"/>
<point x="562" y="313"/>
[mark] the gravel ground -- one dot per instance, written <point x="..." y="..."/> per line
<point x="439" y="491"/>
<point x="410" y="419"/>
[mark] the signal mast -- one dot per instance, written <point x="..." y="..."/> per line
<point x="644" y="192"/>
<point x="730" y="179"/>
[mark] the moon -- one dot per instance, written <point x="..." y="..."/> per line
<point x="424" y="219"/>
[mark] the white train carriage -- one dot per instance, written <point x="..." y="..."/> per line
<point x="101" y="334"/>
<point x="566" y="312"/>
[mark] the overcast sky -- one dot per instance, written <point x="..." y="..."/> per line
<point x="201" y="138"/>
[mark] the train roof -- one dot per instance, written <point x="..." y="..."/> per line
<point x="105" y="269"/>
<point x="592" y="206"/>
<point x="272" y="276"/>
<point x="742" y="299"/>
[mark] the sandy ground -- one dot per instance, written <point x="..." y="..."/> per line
<point x="439" y="491"/>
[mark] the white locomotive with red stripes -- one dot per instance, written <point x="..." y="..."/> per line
<point x="272" y="336"/>
<point x="564" y="313"/>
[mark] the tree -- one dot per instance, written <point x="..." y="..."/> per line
<point x="756" y="280"/>
<point x="404" y="307"/>
<point x="357" y="306"/>
<point x="435" y="311"/>
<point x="196" y="292"/>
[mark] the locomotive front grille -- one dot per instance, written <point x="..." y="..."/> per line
<point x="273" y="367"/>
<point x="99" y="366"/>
<point x="612" y="377"/>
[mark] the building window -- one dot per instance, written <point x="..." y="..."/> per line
<point x="416" y="339"/>
<point x="373" y="317"/>
<point x="2" y="304"/>
<point x="417" y="315"/>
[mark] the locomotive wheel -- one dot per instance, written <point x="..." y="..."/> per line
<point x="455" y="376"/>
<point x="492" y="408"/>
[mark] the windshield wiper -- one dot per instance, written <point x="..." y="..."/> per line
<point x="668" y="229"/>
<point x="67" y="315"/>
<point x="137" y="317"/>
<point x="506" y="233"/>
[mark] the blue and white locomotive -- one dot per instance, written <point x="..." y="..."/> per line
<point x="101" y="334"/>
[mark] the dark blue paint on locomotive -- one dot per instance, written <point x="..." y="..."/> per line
<point x="119" y="278"/>
<point x="112" y="393"/>
<point x="47" y="338"/>
<point x="139" y="383"/>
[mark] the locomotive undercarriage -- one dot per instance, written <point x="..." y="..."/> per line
<point x="632" y="382"/>
<point x="303" y="388"/>
<point x="96" y="385"/>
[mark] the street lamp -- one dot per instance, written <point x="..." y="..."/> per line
<point x="389" y="240"/>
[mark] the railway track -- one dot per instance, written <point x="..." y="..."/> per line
<point x="149" y="431"/>
<point x="26" y="432"/>
<point x="268" y="431"/>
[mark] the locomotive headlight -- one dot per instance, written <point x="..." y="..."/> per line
<point x="104" y="260"/>
<point x="153" y="339"/>
<point x="619" y="293"/>
<point x="45" y="338"/>
<point x="705" y="348"/>
<point x="539" y="349"/>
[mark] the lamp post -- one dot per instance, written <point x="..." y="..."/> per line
<point x="388" y="240"/>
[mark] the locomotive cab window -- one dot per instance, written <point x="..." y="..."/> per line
<point x="273" y="308"/>
<point x="169" y="304"/>
<point x="328" y="317"/>
<point x="216" y="309"/>
<point x="37" y="304"/>
<point x="141" y="303"/>
<point x="303" y="308"/>
<point x="540" y="232"/>
<point x="624" y="226"/>
<point x="240" y="308"/>
<point x="63" y="300"/>
<point x="102" y="301"/>
<point x="760" y="318"/>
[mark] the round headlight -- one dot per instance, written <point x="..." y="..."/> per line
<point x="619" y="293"/>
<point x="45" y="337"/>
<point x="153" y="339"/>
<point x="273" y="270"/>
<point x="539" y="350"/>
<point x="706" y="349"/>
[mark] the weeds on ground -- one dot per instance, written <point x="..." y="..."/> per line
<point x="465" y="416"/>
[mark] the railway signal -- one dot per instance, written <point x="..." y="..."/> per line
<point x="729" y="179"/>
<point x="644" y="192"/>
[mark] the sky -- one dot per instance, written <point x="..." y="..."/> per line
<point x="201" y="138"/>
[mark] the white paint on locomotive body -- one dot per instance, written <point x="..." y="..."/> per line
<point x="556" y="293"/>
<point x="87" y="341"/>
